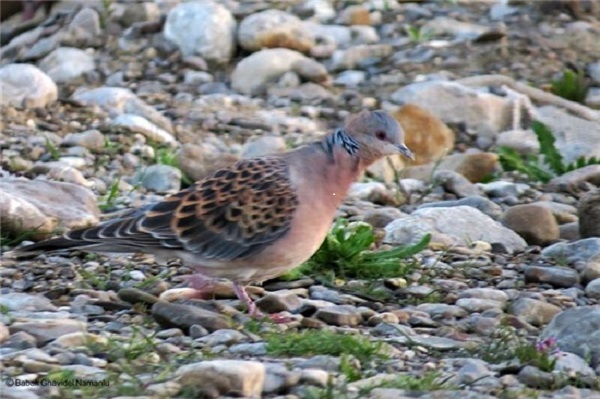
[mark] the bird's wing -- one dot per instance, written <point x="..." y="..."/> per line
<point x="232" y="214"/>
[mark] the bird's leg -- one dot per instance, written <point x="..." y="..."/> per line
<point x="253" y="311"/>
<point x="201" y="283"/>
<point x="244" y="297"/>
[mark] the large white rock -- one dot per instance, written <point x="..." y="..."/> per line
<point x="43" y="206"/>
<point x="457" y="225"/>
<point x="67" y="63"/>
<point x="202" y="28"/>
<point x="274" y="28"/>
<point x="485" y="113"/>
<point x="26" y="86"/>
<point x="253" y="73"/>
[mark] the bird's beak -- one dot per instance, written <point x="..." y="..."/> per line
<point x="403" y="149"/>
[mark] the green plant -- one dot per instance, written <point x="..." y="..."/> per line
<point x="572" y="85"/>
<point x="417" y="34"/>
<point x="346" y="253"/>
<point x="323" y="342"/>
<point x="549" y="164"/>
<point x="11" y="239"/>
<point x="167" y="156"/>
<point x="54" y="153"/>
<point x="109" y="201"/>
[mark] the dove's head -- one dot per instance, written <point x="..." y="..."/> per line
<point x="378" y="135"/>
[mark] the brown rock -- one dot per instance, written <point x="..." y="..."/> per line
<point x="474" y="167"/>
<point x="427" y="136"/>
<point x="589" y="214"/>
<point x="534" y="312"/>
<point x="356" y="15"/>
<point x="536" y="224"/>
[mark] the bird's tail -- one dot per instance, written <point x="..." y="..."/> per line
<point x="51" y="245"/>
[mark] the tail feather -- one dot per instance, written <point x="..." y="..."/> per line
<point x="51" y="245"/>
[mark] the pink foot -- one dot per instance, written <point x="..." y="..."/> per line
<point x="253" y="311"/>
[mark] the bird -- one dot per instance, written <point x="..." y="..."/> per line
<point x="254" y="220"/>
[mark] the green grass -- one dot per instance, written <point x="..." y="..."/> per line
<point x="109" y="200"/>
<point x="54" y="152"/>
<point x="168" y="156"/>
<point x="545" y="166"/>
<point x="323" y="342"/>
<point x="417" y="34"/>
<point x="346" y="254"/>
<point x="572" y="85"/>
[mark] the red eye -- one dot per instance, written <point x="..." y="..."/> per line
<point x="380" y="134"/>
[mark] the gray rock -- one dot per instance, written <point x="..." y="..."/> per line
<point x="504" y="189"/>
<point x="460" y="30"/>
<point x="140" y="12"/>
<point x="249" y="349"/>
<point x="184" y="316"/>
<point x="197" y="77"/>
<point x="474" y="371"/>
<point x="91" y="139"/>
<point x="534" y="223"/>
<point x="320" y="362"/>
<point x="255" y="72"/>
<point x="589" y="214"/>
<point x="222" y="337"/>
<point x="66" y="64"/>
<point x="592" y="99"/>
<point x="483" y="204"/>
<point x="381" y="217"/>
<point x="593" y="289"/>
<point x="485" y="113"/>
<point x="26" y="86"/>
<point x="117" y="101"/>
<point x="83" y="29"/>
<point x="478" y="305"/>
<point x="442" y="310"/>
<point x="159" y="178"/>
<point x="206" y="29"/>
<point x="27" y="302"/>
<point x="264" y="145"/>
<point x="350" y="78"/>
<point x="88" y="373"/>
<point x="43" y="206"/>
<point x="351" y="58"/>
<point x="533" y="311"/>
<point x="281" y="301"/>
<point x="216" y="378"/>
<point x="340" y="315"/>
<point x="577" y="330"/>
<point x="535" y="378"/>
<point x="590" y="174"/>
<point x="279" y="379"/>
<point x="455" y="183"/>
<point x="139" y="124"/>
<point x="586" y="250"/>
<point x="274" y="28"/>
<point x="46" y="330"/>
<point x="556" y="276"/>
<point x="575" y="137"/>
<point x="20" y="341"/>
<point x="452" y="226"/>
<point x="593" y="70"/>
<point x="485" y="293"/>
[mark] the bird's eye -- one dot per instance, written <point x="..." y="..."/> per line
<point x="380" y="134"/>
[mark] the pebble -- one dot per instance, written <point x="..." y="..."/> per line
<point x="26" y="86"/>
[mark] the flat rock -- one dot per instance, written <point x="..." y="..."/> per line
<point x="533" y="311"/>
<point x="215" y="378"/>
<point x="483" y="204"/>
<point x="27" y="302"/>
<point x="589" y="214"/>
<point x="475" y="167"/>
<point x="279" y="302"/>
<point x="206" y="29"/>
<point x="585" y="250"/>
<point x="184" y="316"/>
<point x="43" y="206"/>
<point x="26" y="86"/>
<point x="556" y="276"/>
<point x="159" y="178"/>
<point x="452" y="226"/>
<point x="46" y="330"/>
